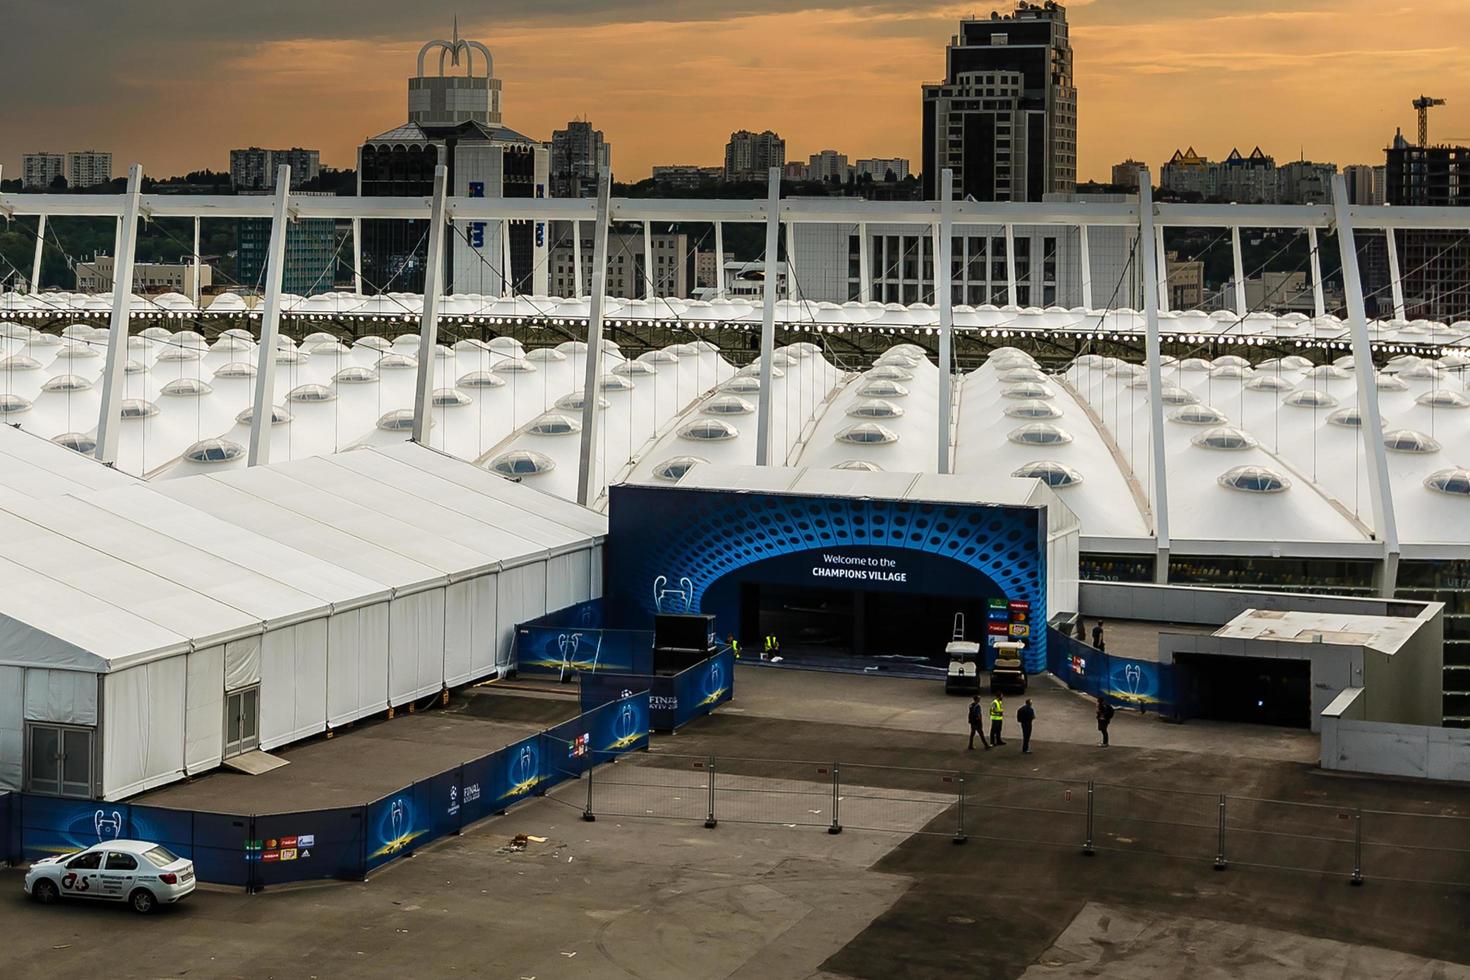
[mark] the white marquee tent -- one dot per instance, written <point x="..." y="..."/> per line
<point x="130" y="613"/>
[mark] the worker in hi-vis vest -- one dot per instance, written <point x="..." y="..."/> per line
<point x="734" y="645"/>
<point x="997" y="717"/>
<point x="772" y="647"/>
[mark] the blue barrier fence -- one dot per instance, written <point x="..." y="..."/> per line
<point x="576" y="640"/>
<point x="1127" y="681"/>
<point x="561" y="651"/>
<point x="674" y="699"/>
<point x="258" y="850"/>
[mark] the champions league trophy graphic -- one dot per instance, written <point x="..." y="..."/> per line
<point x="683" y="595"/>
<point x="397" y="812"/>
<point x="523" y="770"/>
<point x="714" y="682"/>
<point x="568" y="643"/>
<point x="1133" y="677"/>
<point x="625" y="726"/>
<point x="108" y="827"/>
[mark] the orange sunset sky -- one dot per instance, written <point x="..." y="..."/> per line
<point x="175" y="85"/>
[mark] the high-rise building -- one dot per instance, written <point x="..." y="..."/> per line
<point x="1305" y="182"/>
<point x="1365" y="183"/>
<point x="1125" y="174"/>
<point x="1187" y="172"/>
<point x="1186" y="282"/>
<point x="88" y="168"/>
<point x="828" y="166"/>
<point x="254" y="169"/>
<point x="1246" y="178"/>
<point x="455" y="120"/>
<point x="40" y="170"/>
<point x="1434" y="263"/>
<point x="1005" y="116"/>
<point x="578" y="154"/>
<point x="749" y="156"/>
<point x="880" y="168"/>
<point x="311" y="251"/>
<point x="625" y="269"/>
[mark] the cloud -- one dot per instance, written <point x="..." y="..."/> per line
<point x="175" y="85"/>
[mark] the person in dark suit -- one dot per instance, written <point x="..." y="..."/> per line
<point x="977" y="717"/>
<point x="1026" y="716"/>
<point x="1104" y="718"/>
<point x="1097" y="635"/>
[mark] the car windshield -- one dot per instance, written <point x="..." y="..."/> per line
<point x="161" y="856"/>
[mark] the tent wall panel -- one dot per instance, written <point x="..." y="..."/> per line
<point x="485" y="646"/>
<point x="533" y="598"/>
<point x="310" y="677"/>
<point x="204" y="721"/>
<point x="242" y="663"/>
<point x="431" y="645"/>
<point x="595" y="574"/>
<point x="293" y="684"/>
<point x="568" y="579"/>
<point x="459" y="605"/>
<point x="415" y="645"/>
<point x="65" y="697"/>
<point x="12" y="725"/>
<point x="357" y="663"/>
<point x="470" y="630"/>
<point x="143" y="726"/>
<point x="509" y="587"/>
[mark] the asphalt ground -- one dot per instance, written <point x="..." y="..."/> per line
<point x="649" y="892"/>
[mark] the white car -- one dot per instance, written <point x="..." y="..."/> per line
<point x="142" y="874"/>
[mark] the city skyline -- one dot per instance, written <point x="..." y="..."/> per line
<point x="1151" y="77"/>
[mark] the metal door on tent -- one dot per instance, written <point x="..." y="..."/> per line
<point x="60" y="760"/>
<point x="242" y="721"/>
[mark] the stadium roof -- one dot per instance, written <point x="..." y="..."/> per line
<point x="1260" y="458"/>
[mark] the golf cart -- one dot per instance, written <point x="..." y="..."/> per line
<point x="964" y="661"/>
<point x="1006" y="674"/>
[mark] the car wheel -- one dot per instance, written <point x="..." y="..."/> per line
<point x="44" y="891"/>
<point x="142" y="901"/>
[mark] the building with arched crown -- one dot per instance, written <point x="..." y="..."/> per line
<point x="455" y="119"/>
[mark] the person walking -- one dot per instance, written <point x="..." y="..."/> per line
<point x="975" y="727"/>
<point x="1097" y="635"/>
<point x="1026" y="716"/>
<point x="734" y="645"/>
<point x="997" y="719"/>
<point x="1104" y="718"/>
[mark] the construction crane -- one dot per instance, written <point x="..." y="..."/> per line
<point x="1423" y="104"/>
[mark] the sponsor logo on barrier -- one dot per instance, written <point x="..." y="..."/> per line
<point x="288" y="854"/>
<point x="578" y="747"/>
<point x="471" y="792"/>
<point x="269" y="856"/>
<point x="453" y="800"/>
<point x="306" y="840"/>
